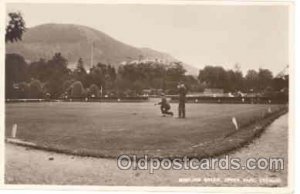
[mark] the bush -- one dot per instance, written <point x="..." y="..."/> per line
<point x="94" y="90"/>
<point x="23" y="90"/>
<point x="77" y="90"/>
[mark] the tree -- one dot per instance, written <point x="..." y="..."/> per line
<point x="173" y="74"/>
<point x="15" y="68"/>
<point x="137" y="86"/>
<point x="104" y="76"/>
<point x="15" y="65"/>
<point x="280" y="83"/>
<point x="15" y="72"/>
<point x="110" y="77"/>
<point x="38" y="70"/>
<point x="15" y="28"/>
<point x="218" y="77"/>
<point x="35" y="89"/>
<point x="96" y="76"/>
<point x="235" y="81"/>
<point x="80" y="73"/>
<point x="265" y="77"/>
<point x="193" y="83"/>
<point x="213" y="77"/>
<point x="251" y="80"/>
<point x="57" y="73"/>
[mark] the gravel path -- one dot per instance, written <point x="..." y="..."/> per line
<point x="29" y="166"/>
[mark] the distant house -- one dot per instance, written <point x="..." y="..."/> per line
<point x="147" y="92"/>
<point x="144" y="61"/>
<point x="215" y="92"/>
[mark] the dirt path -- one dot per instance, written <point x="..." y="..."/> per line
<point x="28" y="166"/>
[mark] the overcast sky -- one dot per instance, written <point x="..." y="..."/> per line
<point x="199" y="35"/>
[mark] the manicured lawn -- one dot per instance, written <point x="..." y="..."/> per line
<point x="111" y="129"/>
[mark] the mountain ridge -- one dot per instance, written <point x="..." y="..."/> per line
<point x="79" y="41"/>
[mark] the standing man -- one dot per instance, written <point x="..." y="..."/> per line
<point x="182" y="97"/>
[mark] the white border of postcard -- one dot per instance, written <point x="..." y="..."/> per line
<point x="288" y="189"/>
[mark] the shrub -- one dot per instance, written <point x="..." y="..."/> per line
<point x="94" y="90"/>
<point x="23" y="90"/>
<point x="77" y="90"/>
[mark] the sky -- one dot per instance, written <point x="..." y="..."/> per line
<point x="252" y="36"/>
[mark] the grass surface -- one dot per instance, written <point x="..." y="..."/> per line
<point x="111" y="129"/>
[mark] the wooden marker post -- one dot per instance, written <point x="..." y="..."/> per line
<point x="14" y="131"/>
<point x="269" y="110"/>
<point x="235" y="123"/>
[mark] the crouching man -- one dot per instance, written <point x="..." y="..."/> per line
<point x="164" y="106"/>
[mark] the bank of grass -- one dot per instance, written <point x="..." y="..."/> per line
<point x="110" y="130"/>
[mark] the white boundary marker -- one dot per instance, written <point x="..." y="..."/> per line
<point x="14" y="130"/>
<point x="234" y="121"/>
<point x="269" y="110"/>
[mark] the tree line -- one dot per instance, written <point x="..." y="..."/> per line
<point x="53" y="79"/>
<point x="260" y="81"/>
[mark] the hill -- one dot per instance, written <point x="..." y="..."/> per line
<point x="75" y="41"/>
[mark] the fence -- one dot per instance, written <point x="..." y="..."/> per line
<point x="234" y="100"/>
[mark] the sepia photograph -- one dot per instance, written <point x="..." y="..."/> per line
<point x="174" y="94"/>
